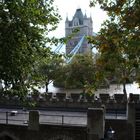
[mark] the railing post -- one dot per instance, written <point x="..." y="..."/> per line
<point x="131" y="118"/>
<point x="62" y="119"/>
<point x="95" y="123"/>
<point x="116" y="113"/>
<point x="33" y="120"/>
<point x="6" y="117"/>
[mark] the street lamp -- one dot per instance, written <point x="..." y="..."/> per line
<point x="110" y="134"/>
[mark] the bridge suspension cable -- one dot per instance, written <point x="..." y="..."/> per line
<point x="58" y="48"/>
<point x="75" y="50"/>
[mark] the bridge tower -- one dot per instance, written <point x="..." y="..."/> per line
<point x="85" y="26"/>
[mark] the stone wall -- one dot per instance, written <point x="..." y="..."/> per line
<point x="74" y="101"/>
<point x="45" y="132"/>
<point x="123" y="131"/>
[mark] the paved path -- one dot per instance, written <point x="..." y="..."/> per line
<point x="50" y="117"/>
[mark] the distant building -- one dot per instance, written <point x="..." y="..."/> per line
<point x="85" y="26"/>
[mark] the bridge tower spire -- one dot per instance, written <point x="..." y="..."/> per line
<point x="84" y="24"/>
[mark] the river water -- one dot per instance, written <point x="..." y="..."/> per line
<point x="114" y="88"/>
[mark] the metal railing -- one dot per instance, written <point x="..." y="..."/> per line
<point x="116" y="114"/>
<point x="13" y="117"/>
<point x="78" y="120"/>
<point x="55" y="118"/>
<point x="21" y="118"/>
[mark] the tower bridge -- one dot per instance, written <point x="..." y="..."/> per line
<point x="78" y="42"/>
<point x="85" y="26"/>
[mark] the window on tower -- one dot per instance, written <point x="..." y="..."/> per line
<point x="76" y="22"/>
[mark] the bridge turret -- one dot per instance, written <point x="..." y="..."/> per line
<point x="84" y="24"/>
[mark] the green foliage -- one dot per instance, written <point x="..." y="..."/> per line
<point x="24" y="26"/>
<point x="49" y="69"/>
<point x="80" y="73"/>
<point x="118" y="40"/>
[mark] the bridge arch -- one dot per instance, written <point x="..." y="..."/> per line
<point x="61" y="137"/>
<point x="7" y="136"/>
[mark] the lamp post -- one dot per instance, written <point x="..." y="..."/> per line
<point x="110" y="134"/>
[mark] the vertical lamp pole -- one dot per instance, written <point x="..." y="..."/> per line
<point x="110" y="134"/>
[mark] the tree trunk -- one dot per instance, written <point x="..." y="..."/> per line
<point x="124" y="88"/>
<point x="46" y="84"/>
<point x="124" y="85"/>
<point x="124" y="91"/>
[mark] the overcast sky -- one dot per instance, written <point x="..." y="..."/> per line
<point x="68" y="8"/>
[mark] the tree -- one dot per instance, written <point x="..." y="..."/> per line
<point x="114" y="60"/>
<point x="24" y="26"/>
<point x="50" y="69"/>
<point x="118" y="40"/>
<point x="80" y="73"/>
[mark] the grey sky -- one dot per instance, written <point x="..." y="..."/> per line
<point x="68" y="8"/>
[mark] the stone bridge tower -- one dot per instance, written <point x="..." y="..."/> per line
<point x="85" y="26"/>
